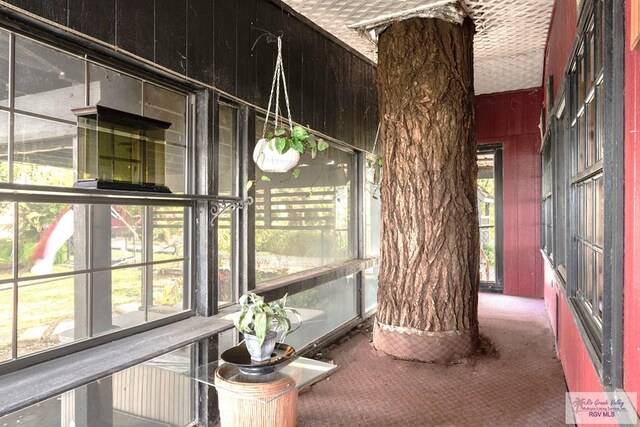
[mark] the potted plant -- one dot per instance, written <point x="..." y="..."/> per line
<point x="281" y="149"/>
<point x="260" y="322"/>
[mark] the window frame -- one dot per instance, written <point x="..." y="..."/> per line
<point x="602" y="337"/>
<point x="24" y="193"/>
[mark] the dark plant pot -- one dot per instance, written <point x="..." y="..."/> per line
<point x="260" y="353"/>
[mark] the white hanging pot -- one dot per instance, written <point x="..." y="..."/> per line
<point x="269" y="160"/>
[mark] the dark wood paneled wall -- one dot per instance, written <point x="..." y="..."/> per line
<point x="332" y="90"/>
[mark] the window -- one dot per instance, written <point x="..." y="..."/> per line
<point x="546" y="204"/>
<point x="587" y="142"/>
<point x="227" y="186"/>
<point x="559" y="139"/>
<point x="76" y="265"/>
<point x="305" y="222"/>
<point x="373" y="175"/>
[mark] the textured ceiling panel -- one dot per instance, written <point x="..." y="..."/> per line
<point x="508" y="46"/>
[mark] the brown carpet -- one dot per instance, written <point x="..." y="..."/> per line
<point x="516" y="382"/>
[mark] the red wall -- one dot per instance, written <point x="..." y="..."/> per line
<point x="631" y="215"/>
<point x="511" y="119"/>
<point x="559" y="42"/>
<point x="579" y="372"/>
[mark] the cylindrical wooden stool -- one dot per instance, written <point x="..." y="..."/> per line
<point x="246" y="402"/>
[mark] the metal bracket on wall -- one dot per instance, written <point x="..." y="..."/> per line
<point x="218" y="207"/>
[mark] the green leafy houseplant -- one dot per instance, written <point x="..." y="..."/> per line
<point x="274" y="153"/>
<point x="298" y="139"/>
<point x="260" y="318"/>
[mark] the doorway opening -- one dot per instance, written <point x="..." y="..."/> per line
<point x="489" y="190"/>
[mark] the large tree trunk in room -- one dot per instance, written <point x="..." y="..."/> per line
<point x="429" y="272"/>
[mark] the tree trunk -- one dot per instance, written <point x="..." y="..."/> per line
<point x="429" y="271"/>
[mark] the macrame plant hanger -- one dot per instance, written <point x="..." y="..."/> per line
<point x="265" y="154"/>
<point x="278" y="74"/>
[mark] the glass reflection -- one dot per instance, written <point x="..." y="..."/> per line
<point x="4" y="68"/>
<point x="43" y="152"/>
<point x="323" y="309"/>
<point x="4" y="146"/>
<point x="151" y="394"/>
<point x="6" y="320"/>
<point x="305" y="222"/>
<point x="48" y="82"/>
<point x="116" y="90"/>
<point x="47" y="313"/>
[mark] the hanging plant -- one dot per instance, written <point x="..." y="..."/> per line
<point x="279" y="151"/>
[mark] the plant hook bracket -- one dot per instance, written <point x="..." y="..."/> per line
<point x="218" y="207"/>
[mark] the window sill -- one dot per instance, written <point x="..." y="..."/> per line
<point x="47" y="379"/>
<point x="308" y="279"/>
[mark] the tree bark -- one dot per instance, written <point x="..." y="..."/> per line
<point x="429" y="262"/>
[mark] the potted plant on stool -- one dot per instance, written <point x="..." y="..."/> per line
<point x="260" y="322"/>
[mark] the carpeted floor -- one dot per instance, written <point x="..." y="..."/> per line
<point x="519" y="384"/>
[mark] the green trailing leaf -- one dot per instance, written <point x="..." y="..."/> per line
<point x="295" y="173"/>
<point x="380" y="161"/>
<point x="250" y="184"/>
<point x="280" y="131"/>
<point x="281" y="144"/>
<point x="314" y="152"/>
<point x="261" y="326"/>
<point x="297" y="145"/>
<point x="300" y="133"/>
<point x="265" y="178"/>
<point x="322" y="145"/>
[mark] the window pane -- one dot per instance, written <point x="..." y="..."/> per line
<point x="579" y="269"/>
<point x="583" y="271"/>
<point x="600" y="122"/>
<point x="322" y="309"/>
<point x="591" y="133"/>
<point x="169" y="106"/>
<point x="577" y="135"/>
<point x="582" y="140"/>
<point x="372" y="209"/>
<point x="589" y="270"/>
<point x="46" y="234"/>
<point x="589" y="59"/>
<point x="599" y="200"/>
<point x="227" y="150"/>
<point x="580" y="210"/>
<point x="169" y="293"/>
<point x="580" y="76"/>
<point x="371" y="288"/>
<point x="127" y="307"/>
<point x="126" y="233"/>
<point x="599" y="38"/>
<point x="6" y="321"/>
<point x="588" y="207"/>
<point x="175" y="167"/>
<point x="4" y="146"/>
<point x="168" y="232"/>
<point x="599" y="289"/>
<point x="43" y="152"/>
<point x="48" y="82"/>
<point x="6" y="240"/>
<point x="225" y="259"/>
<point x="112" y="89"/>
<point x="47" y="313"/>
<point x="4" y="68"/>
<point x="315" y="209"/>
